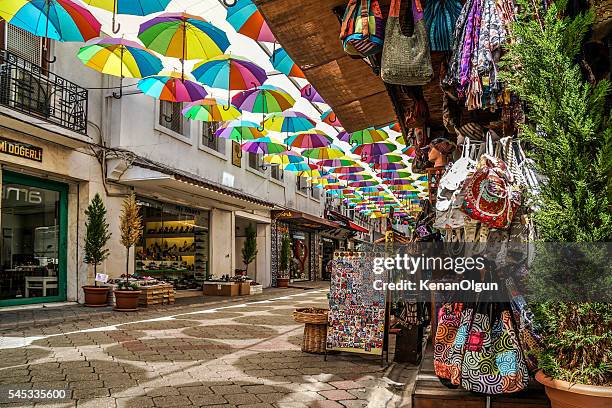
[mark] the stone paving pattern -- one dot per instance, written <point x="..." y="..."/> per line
<point x="233" y="356"/>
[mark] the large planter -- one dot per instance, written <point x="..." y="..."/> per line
<point x="315" y="328"/>
<point x="126" y="300"/>
<point x="563" y="394"/>
<point x="96" y="296"/>
<point x="245" y="288"/>
<point x="282" y="282"/>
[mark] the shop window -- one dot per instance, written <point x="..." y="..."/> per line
<point x="277" y="173"/>
<point x="255" y="161"/>
<point x="210" y="140"/>
<point x="316" y="193"/>
<point x="33" y="246"/>
<point x="302" y="185"/>
<point x="171" y="117"/>
<point x="174" y="245"/>
<point x="300" y="250"/>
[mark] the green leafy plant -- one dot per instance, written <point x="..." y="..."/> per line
<point x="126" y="285"/>
<point x="96" y="234"/>
<point x="131" y="229"/>
<point x="571" y="144"/>
<point x="285" y="257"/>
<point x="249" y="250"/>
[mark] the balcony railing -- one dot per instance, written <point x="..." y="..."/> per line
<point x="31" y="89"/>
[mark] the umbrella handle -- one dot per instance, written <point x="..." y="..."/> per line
<point x="50" y="61"/>
<point x="226" y="108"/>
<point x="167" y="118"/>
<point x="116" y="28"/>
<point x="308" y="92"/>
<point x="229" y="3"/>
<point x="120" y="94"/>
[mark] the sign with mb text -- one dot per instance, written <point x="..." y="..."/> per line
<point x="18" y="149"/>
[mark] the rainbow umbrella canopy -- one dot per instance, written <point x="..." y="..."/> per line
<point x="369" y="135"/>
<point x="248" y="20"/>
<point x="183" y="36"/>
<point x="131" y="7"/>
<point x="229" y="72"/>
<point x="172" y="87"/>
<point x="310" y="94"/>
<point x="263" y="99"/>
<point x="240" y="130"/>
<point x="211" y="110"/>
<point x="288" y="122"/>
<point x="282" y="62"/>
<point x="330" y="118"/>
<point x="60" y="20"/>
<point x="264" y="145"/>
<point x="119" y="57"/>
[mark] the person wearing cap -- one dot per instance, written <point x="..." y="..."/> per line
<point x="439" y="150"/>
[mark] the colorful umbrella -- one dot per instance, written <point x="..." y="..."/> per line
<point x="302" y="166"/>
<point x="247" y="20"/>
<point x="309" y="139"/>
<point x="229" y="72"/>
<point x="263" y="99"/>
<point x="284" y="158"/>
<point x="364" y="183"/>
<point x="282" y="62"/>
<point x="337" y="162"/>
<point x="184" y="36"/>
<point x="347" y="169"/>
<point x="388" y="166"/>
<point x="385" y="158"/>
<point x="119" y="57"/>
<point x="211" y="110"/>
<point x="387" y="174"/>
<point x="370" y="189"/>
<point x="131" y="7"/>
<point x="288" y="122"/>
<point x="330" y="152"/>
<point x="401" y="139"/>
<point x="343" y="136"/>
<point x="310" y="94"/>
<point x="369" y="135"/>
<point x="373" y="149"/>
<point x="355" y="177"/>
<point x="172" y="87"/>
<point x="397" y="182"/>
<point x="263" y="145"/>
<point x="61" y="20"/>
<point x="409" y="151"/>
<point x="330" y="118"/>
<point x="395" y="127"/>
<point x="239" y="131"/>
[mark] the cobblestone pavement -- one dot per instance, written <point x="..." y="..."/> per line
<point x="245" y="355"/>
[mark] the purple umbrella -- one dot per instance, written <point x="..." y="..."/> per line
<point x="309" y="93"/>
<point x="373" y="149"/>
<point x="343" y="136"/>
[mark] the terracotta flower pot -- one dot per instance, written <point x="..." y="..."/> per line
<point x="282" y="282"/>
<point x="563" y="394"/>
<point x="96" y="296"/>
<point x="126" y="300"/>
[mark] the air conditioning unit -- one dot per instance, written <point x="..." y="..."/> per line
<point x="31" y="93"/>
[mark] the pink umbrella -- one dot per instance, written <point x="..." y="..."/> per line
<point x="310" y="94"/>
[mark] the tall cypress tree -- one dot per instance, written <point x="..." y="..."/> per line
<point x="249" y="250"/>
<point x="96" y="234"/>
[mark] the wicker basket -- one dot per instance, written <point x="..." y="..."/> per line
<point x="315" y="328"/>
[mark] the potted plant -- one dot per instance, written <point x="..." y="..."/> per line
<point x="96" y="238"/>
<point x="282" y="281"/>
<point x="571" y="141"/>
<point x="127" y="293"/>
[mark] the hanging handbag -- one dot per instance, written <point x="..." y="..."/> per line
<point x="362" y="32"/>
<point x="449" y="318"/>
<point x="405" y="59"/>
<point x="441" y="18"/>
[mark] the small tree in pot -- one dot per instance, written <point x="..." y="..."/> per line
<point x="96" y="238"/>
<point x="127" y="294"/>
<point x="249" y="250"/>
<point x="285" y="257"/>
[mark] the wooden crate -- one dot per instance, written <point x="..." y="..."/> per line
<point x="156" y="295"/>
<point x="221" y="289"/>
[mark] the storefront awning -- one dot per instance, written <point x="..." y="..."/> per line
<point x="304" y="220"/>
<point x="346" y="222"/>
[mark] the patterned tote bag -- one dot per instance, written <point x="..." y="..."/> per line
<point x="363" y="28"/>
<point x="449" y="318"/>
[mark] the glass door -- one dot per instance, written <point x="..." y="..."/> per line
<point x="34" y="240"/>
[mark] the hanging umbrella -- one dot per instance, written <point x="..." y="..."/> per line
<point x="263" y="99"/>
<point x="336" y="162"/>
<point x="370" y="189"/>
<point x="119" y="57"/>
<point x="239" y="131"/>
<point x="395" y="127"/>
<point x="302" y="166"/>
<point x="172" y="87"/>
<point x="211" y="110"/>
<point x="347" y="169"/>
<point x="61" y="20"/>
<point x="373" y="149"/>
<point x="284" y="158"/>
<point x="263" y="145"/>
<point x="310" y="94"/>
<point x="397" y="182"/>
<point x="355" y="177"/>
<point x="330" y="152"/>
<point x="409" y="151"/>
<point x="364" y="183"/>
<point x="388" y="166"/>
<point x="229" y="72"/>
<point x="247" y="20"/>
<point x="282" y="62"/>
<point x="369" y="135"/>
<point x="288" y="122"/>
<point x="343" y="136"/>
<point x="183" y="36"/>
<point x="330" y="118"/>
<point x="131" y="7"/>
<point x="384" y="158"/>
<point x="309" y="139"/>
<point x="387" y="174"/>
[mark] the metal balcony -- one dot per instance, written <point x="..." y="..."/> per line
<point x="33" y="90"/>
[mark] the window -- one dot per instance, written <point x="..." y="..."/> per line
<point x="23" y="44"/>
<point x="170" y="117"/>
<point x="316" y="192"/>
<point x="210" y="140"/>
<point x="255" y="161"/>
<point x="277" y="173"/>
<point x="302" y="185"/>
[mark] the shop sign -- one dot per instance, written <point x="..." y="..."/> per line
<point x="299" y="235"/>
<point x="18" y="149"/>
<point x="20" y="193"/>
<point x="284" y="214"/>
